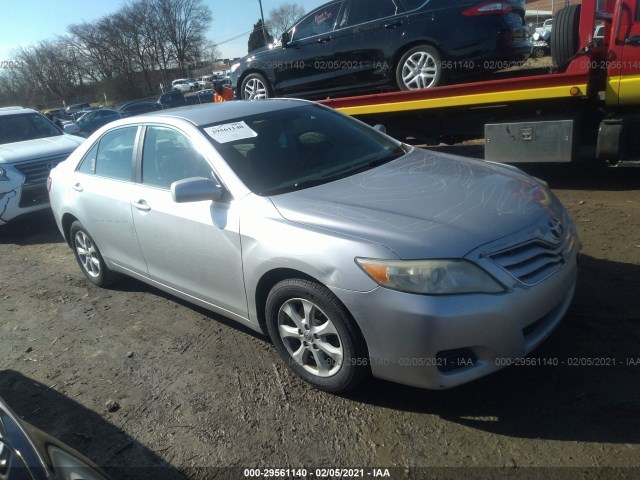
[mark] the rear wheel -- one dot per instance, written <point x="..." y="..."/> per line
<point x="420" y="67"/>
<point x="89" y="257"/>
<point x="565" y="39"/>
<point x="316" y="336"/>
<point x="255" y="87"/>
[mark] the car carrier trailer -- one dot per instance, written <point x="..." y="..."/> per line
<point x="586" y="106"/>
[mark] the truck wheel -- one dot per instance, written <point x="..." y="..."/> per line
<point x="316" y="336"/>
<point x="255" y="87"/>
<point x="420" y="67"/>
<point x="565" y="40"/>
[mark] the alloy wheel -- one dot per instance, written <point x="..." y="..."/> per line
<point x="310" y="337"/>
<point x="87" y="254"/>
<point x="420" y="70"/>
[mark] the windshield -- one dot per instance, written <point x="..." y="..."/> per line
<point x="295" y="148"/>
<point x="22" y="127"/>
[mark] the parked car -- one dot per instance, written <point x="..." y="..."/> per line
<point x="72" y="109"/>
<point x="30" y="146"/>
<point x="184" y="85"/>
<point x="27" y="453"/>
<point x="353" y="46"/>
<point x="546" y="28"/>
<point x="356" y="253"/>
<point x="137" y="108"/>
<point x="76" y="115"/>
<point x="204" y="81"/>
<point x="93" y="120"/>
<point x="540" y="48"/>
<point x="205" y="96"/>
<point x="58" y="113"/>
<point x="172" y="99"/>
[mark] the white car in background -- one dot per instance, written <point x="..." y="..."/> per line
<point x="30" y="146"/>
<point x="184" y="85"/>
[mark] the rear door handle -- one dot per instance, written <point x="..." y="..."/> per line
<point x="324" y="40"/>
<point x="141" y="205"/>
<point x="392" y="25"/>
<point x="77" y="187"/>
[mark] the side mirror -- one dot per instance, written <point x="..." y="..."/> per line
<point x="285" y="39"/>
<point x="196" y="189"/>
<point x="381" y="128"/>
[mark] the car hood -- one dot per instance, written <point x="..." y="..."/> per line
<point x="39" y="148"/>
<point x="424" y="205"/>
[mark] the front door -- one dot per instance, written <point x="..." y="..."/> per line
<point x="624" y="57"/>
<point x="193" y="248"/>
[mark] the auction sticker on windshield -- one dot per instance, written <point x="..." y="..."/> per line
<point x="230" y="132"/>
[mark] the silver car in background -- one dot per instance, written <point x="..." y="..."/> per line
<point x="30" y="146"/>
<point x="355" y="253"/>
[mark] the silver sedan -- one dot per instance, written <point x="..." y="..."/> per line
<point x="357" y="254"/>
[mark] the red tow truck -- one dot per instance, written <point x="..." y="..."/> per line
<point x="585" y="106"/>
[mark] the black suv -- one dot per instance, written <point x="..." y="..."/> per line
<point x="354" y="46"/>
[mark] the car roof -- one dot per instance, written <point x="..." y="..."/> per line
<point x="205" y="114"/>
<point x="14" y="110"/>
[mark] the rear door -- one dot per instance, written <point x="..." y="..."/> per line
<point x="100" y="191"/>
<point x="624" y="55"/>
<point x="363" y="48"/>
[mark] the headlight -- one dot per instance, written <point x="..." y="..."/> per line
<point x="235" y="67"/>
<point x="3" y="175"/>
<point x="430" y="277"/>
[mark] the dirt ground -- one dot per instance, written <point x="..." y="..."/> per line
<point x="197" y="393"/>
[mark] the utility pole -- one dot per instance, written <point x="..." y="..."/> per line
<point x="264" y="31"/>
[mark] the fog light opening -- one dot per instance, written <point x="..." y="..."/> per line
<point x="450" y="361"/>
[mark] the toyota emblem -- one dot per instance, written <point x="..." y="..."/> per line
<point x="556" y="229"/>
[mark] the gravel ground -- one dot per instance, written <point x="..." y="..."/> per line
<point x="191" y="392"/>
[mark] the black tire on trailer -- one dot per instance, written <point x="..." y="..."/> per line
<point x="565" y="40"/>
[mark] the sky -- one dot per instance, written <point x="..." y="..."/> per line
<point x="29" y="21"/>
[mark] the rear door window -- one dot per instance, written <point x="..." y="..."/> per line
<point x="363" y="11"/>
<point x="115" y="154"/>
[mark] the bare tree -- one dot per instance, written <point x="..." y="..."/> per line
<point x="124" y="53"/>
<point x="281" y="18"/>
<point x="185" y="23"/>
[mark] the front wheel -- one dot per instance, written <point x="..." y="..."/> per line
<point x="316" y="336"/>
<point x="420" y="67"/>
<point x="89" y="257"/>
<point x="255" y="87"/>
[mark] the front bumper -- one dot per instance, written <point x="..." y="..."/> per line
<point x="21" y="193"/>
<point x="439" y="342"/>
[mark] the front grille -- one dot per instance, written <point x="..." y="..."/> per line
<point x="531" y="262"/>
<point x="34" y="189"/>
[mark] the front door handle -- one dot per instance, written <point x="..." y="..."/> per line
<point x="392" y="25"/>
<point x="77" y="187"/>
<point x="141" y="205"/>
<point x="324" y="40"/>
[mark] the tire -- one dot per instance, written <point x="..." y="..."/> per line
<point x="538" y="52"/>
<point x="89" y="257"/>
<point x="255" y="87"/>
<point x="420" y="67"/>
<point x="316" y="336"/>
<point x="565" y="39"/>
